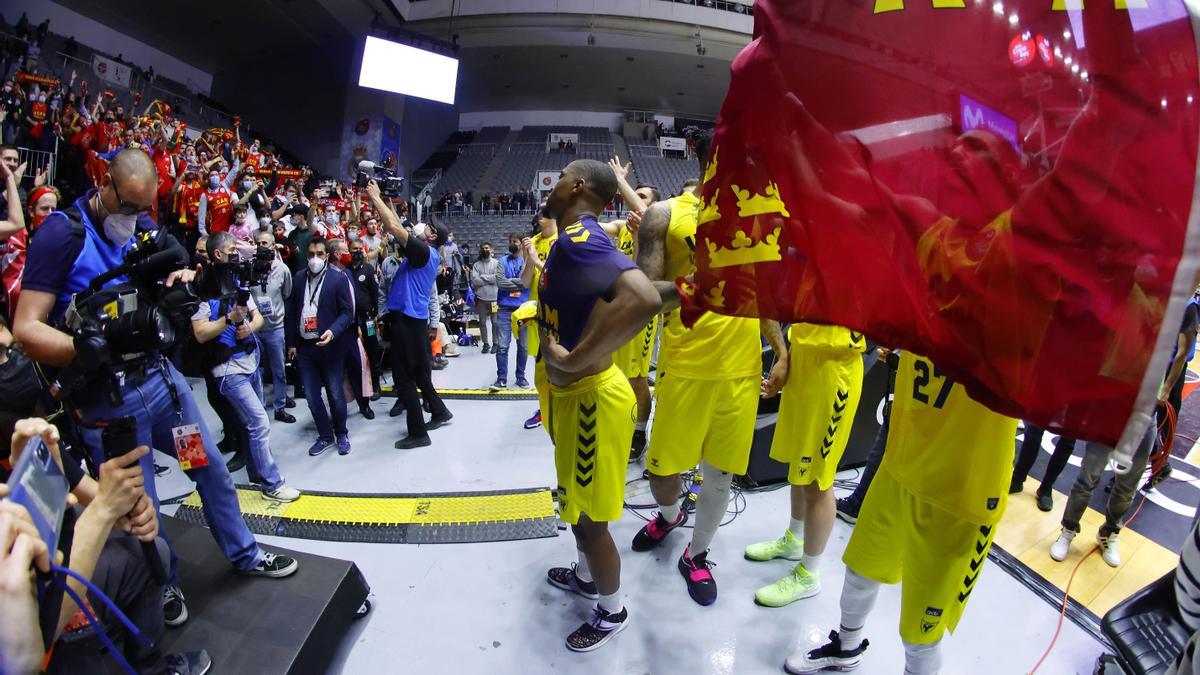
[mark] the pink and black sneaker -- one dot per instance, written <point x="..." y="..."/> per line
<point x="700" y="582"/>
<point x="656" y="530"/>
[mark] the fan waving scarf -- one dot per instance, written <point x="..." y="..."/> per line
<point x="1006" y="188"/>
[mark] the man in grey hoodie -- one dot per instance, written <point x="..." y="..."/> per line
<point x="485" y="274"/>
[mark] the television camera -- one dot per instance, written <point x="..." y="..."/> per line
<point x="390" y="185"/>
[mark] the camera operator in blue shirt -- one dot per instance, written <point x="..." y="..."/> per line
<point x="72" y="248"/>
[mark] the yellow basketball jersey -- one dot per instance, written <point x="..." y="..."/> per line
<point x="542" y="246"/>
<point x="832" y="338"/>
<point x="947" y="449"/>
<point x="717" y="347"/>
<point x="625" y="243"/>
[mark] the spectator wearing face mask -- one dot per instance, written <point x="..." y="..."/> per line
<point x="243" y="232"/>
<point x="329" y="225"/>
<point x="511" y="295"/>
<point x="251" y="194"/>
<point x="485" y="274"/>
<point x="271" y="298"/>
<point x="320" y="316"/>
<point x="215" y="212"/>
<point x="358" y="375"/>
<point x="42" y="202"/>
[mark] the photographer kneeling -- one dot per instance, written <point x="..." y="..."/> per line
<point x="93" y="237"/>
<point x="225" y="328"/>
<point x="100" y="544"/>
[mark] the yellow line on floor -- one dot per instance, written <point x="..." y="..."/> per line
<point x="1027" y="533"/>
<point x="385" y="510"/>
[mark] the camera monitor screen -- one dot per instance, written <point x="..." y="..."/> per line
<point x="392" y="66"/>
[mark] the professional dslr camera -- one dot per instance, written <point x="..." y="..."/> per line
<point x="390" y="185"/>
<point x="126" y="325"/>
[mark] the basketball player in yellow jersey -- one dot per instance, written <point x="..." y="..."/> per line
<point x="634" y="358"/>
<point x="536" y="249"/>
<point x="821" y="376"/>
<point x="707" y="394"/>
<point x="928" y="519"/>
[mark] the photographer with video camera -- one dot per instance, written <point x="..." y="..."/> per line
<point x="225" y="326"/>
<point x="103" y="524"/>
<point x="409" y="329"/>
<point x="112" y="368"/>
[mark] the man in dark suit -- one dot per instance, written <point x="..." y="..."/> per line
<point x="320" y="320"/>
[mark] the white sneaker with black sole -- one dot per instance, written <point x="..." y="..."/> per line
<point x="829" y="656"/>
<point x="598" y="630"/>
<point x="564" y="578"/>
<point x="273" y="565"/>
<point x="1108" y="548"/>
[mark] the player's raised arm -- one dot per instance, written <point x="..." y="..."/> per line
<point x="651" y="258"/>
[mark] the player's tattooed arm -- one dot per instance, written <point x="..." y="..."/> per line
<point x="652" y="252"/>
<point x="779" y="372"/>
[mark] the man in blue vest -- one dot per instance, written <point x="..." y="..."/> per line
<point x="511" y="295"/>
<point x="408" y="318"/>
<point x="226" y="329"/>
<point x="93" y="235"/>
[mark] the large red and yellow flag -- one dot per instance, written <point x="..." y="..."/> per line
<point x="1005" y="187"/>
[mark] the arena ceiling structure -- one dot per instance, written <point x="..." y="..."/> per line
<point x="654" y="55"/>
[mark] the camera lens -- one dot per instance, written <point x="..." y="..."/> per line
<point x="43" y="453"/>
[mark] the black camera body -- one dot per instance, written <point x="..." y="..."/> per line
<point x="126" y="325"/>
<point x="390" y="185"/>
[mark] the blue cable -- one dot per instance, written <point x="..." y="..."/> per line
<point x="112" y="649"/>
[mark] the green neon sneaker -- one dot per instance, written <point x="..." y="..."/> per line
<point x="798" y="585"/>
<point x="787" y="546"/>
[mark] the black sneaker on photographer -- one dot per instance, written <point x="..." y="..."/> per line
<point x="273" y="565"/>
<point x="175" y="611"/>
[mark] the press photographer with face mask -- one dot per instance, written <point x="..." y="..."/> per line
<point x="94" y="235"/>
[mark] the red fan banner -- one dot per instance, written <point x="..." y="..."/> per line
<point x="1026" y="223"/>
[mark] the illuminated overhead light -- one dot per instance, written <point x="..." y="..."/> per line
<point x="1164" y="103"/>
<point x="1012" y="19"/>
<point x="1083" y="75"/>
<point x="1068" y="60"/>
<point x="1075" y="69"/>
<point x="1067" y="34"/>
<point x="998" y="8"/>
<point x="1057" y="52"/>
<point x="1189" y="99"/>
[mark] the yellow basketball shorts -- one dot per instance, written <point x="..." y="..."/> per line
<point x="541" y="382"/>
<point x="935" y="556"/>
<point x="816" y="413"/>
<point x="710" y="420"/>
<point x="634" y="358"/>
<point x="591" y="422"/>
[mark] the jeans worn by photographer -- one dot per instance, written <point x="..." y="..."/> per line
<point x="226" y="328"/>
<point x="89" y="242"/>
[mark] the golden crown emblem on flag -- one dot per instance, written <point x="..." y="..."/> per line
<point x="760" y="204"/>
<point x="745" y="251"/>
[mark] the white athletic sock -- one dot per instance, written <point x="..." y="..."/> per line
<point x="711" y="506"/>
<point x="797" y="528"/>
<point x="858" y="597"/>
<point x="639" y="426"/>
<point x="812" y="563"/>
<point x="670" y="513"/>
<point x="610" y="603"/>
<point x="582" y="571"/>
<point x="922" y="659"/>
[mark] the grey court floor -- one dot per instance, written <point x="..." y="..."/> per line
<point x="486" y="608"/>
